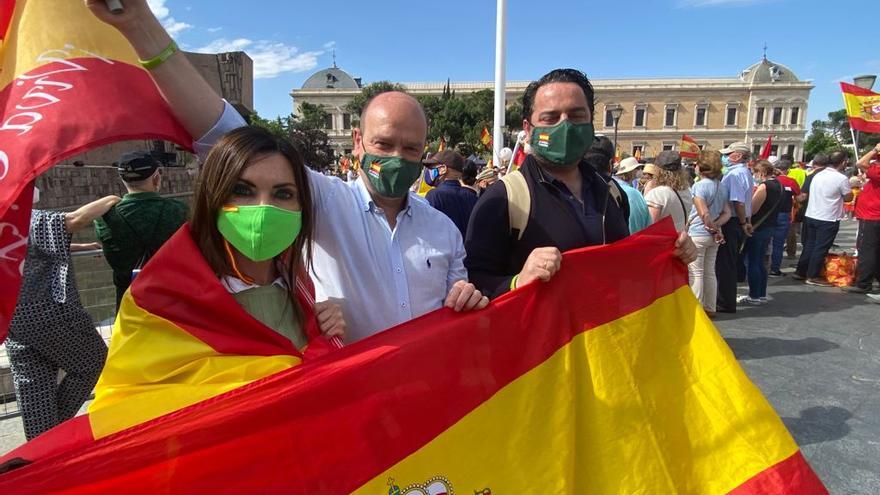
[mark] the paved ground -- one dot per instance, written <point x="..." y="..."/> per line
<point x="815" y="353"/>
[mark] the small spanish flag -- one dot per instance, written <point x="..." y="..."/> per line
<point x="442" y="145"/>
<point x="486" y="138"/>
<point x="638" y="154"/>
<point x="862" y="108"/>
<point x="544" y="140"/>
<point x="375" y="168"/>
<point x="519" y="157"/>
<point x="687" y="147"/>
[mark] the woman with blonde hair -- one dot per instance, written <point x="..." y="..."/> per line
<point x="711" y="210"/>
<point x="670" y="197"/>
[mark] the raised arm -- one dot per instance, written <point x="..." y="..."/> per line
<point x="194" y="102"/>
<point x="865" y="160"/>
<point x="86" y="214"/>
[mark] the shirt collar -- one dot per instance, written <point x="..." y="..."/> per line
<point x="141" y="195"/>
<point x="235" y="285"/>
<point x="367" y="203"/>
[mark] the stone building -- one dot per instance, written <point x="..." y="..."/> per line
<point x="766" y="98"/>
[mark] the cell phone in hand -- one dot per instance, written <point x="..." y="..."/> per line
<point x="115" y="6"/>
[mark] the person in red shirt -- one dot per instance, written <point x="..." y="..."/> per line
<point x="868" y="213"/>
<point x="790" y="190"/>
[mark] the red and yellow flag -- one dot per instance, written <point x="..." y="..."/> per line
<point x="688" y="147"/>
<point x="767" y="149"/>
<point x="66" y="86"/>
<point x="486" y="137"/>
<point x="638" y="154"/>
<point x="442" y="145"/>
<point x="633" y="391"/>
<point x="520" y="157"/>
<point x="862" y="108"/>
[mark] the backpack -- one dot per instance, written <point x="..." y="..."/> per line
<point x="519" y="201"/>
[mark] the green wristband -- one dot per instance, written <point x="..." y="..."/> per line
<point x="164" y="55"/>
<point x="513" y="282"/>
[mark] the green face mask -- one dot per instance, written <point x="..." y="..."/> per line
<point x="392" y="176"/>
<point x="259" y="232"/>
<point x="564" y="143"/>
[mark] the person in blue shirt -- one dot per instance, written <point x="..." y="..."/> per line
<point x="639" y="216"/>
<point x="448" y="195"/>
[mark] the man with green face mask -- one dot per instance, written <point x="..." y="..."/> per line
<point x="382" y="254"/>
<point x="570" y="204"/>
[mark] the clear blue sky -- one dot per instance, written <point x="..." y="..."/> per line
<point x="407" y="40"/>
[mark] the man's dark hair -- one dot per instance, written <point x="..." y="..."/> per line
<point x="469" y="173"/>
<point x="557" y="76"/>
<point x="786" y="156"/>
<point x="600" y="154"/>
<point x="784" y="163"/>
<point x="837" y="158"/>
<point x="820" y="160"/>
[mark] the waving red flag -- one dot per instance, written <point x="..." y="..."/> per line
<point x="768" y="146"/>
<point x="69" y="84"/>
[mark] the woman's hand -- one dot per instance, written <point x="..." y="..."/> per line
<point x="330" y="319"/>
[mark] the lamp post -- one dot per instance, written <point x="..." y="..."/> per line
<point x="616" y="112"/>
<point x="865" y="82"/>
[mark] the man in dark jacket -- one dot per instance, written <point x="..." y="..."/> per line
<point x="571" y="204"/>
<point x="455" y="201"/>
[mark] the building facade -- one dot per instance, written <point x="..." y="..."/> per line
<point x="765" y="99"/>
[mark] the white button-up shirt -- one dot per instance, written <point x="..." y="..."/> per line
<point x="380" y="276"/>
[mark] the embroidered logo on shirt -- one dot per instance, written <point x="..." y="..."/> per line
<point x="544" y="140"/>
<point x="375" y="168"/>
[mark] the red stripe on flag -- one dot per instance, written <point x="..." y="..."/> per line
<point x="791" y="476"/>
<point x="863" y="125"/>
<point x="856" y="90"/>
<point x="274" y="435"/>
<point x="184" y="275"/>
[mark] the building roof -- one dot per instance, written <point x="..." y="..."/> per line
<point x="331" y="78"/>
<point x="768" y="72"/>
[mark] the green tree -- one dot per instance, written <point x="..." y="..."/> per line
<point x="356" y="105"/>
<point x="304" y="132"/>
<point x="278" y="126"/>
<point x="837" y="127"/>
<point x="312" y="116"/>
<point x="819" y="141"/>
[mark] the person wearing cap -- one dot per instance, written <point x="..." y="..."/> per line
<point x="671" y="197"/>
<point x="648" y="181"/>
<point x="729" y="265"/>
<point x="449" y="196"/>
<point x="133" y="230"/>
<point x="486" y="178"/>
<point x="639" y="216"/>
<point x="571" y="204"/>
<point x="711" y="210"/>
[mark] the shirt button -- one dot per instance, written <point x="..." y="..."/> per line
<point x="398" y="269"/>
<point x="403" y="305"/>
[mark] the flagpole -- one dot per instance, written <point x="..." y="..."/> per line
<point x="500" y="83"/>
<point x="520" y="136"/>
<point x="851" y="130"/>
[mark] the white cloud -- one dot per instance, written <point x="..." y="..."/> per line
<point x="214" y="29"/>
<point x="329" y="45"/>
<point x="271" y="58"/>
<point x="173" y="26"/>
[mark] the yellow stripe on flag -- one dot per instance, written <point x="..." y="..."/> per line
<point x="154" y="367"/>
<point x="629" y="394"/>
<point x="866" y="108"/>
<point x="22" y="54"/>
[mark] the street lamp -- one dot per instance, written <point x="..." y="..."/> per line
<point x="865" y="82"/>
<point x="616" y="112"/>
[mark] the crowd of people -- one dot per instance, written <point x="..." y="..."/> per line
<point x="380" y="255"/>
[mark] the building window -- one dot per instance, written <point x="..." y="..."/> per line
<point x="668" y="146"/>
<point x="347" y="151"/>
<point x="639" y="117"/>
<point x="637" y="151"/>
<point x="756" y="149"/>
<point x="777" y="115"/>
<point x="790" y="150"/>
<point x="669" y="121"/>
<point x="346" y="121"/>
<point x="700" y="117"/>
<point x="795" y="116"/>
<point x="328" y="121"/>
<point x="609" y="119"/>
<point x="759" y="116"/>
<point x="701" y="146"/>
<point x="731" y="115"/>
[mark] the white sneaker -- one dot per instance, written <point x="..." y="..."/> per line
<point x="750" y="301"/>
<point x="766" y="299"/>
<point x="874" y="298"/>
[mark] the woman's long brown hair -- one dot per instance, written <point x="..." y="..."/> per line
<point x="221" y="171"/>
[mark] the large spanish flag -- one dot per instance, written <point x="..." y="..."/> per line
<point x="607" y="379"/>
<point x="862" y="108"/>
<point x="68" y="84"/>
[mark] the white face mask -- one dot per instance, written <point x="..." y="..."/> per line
<point x="36" y="195"/>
